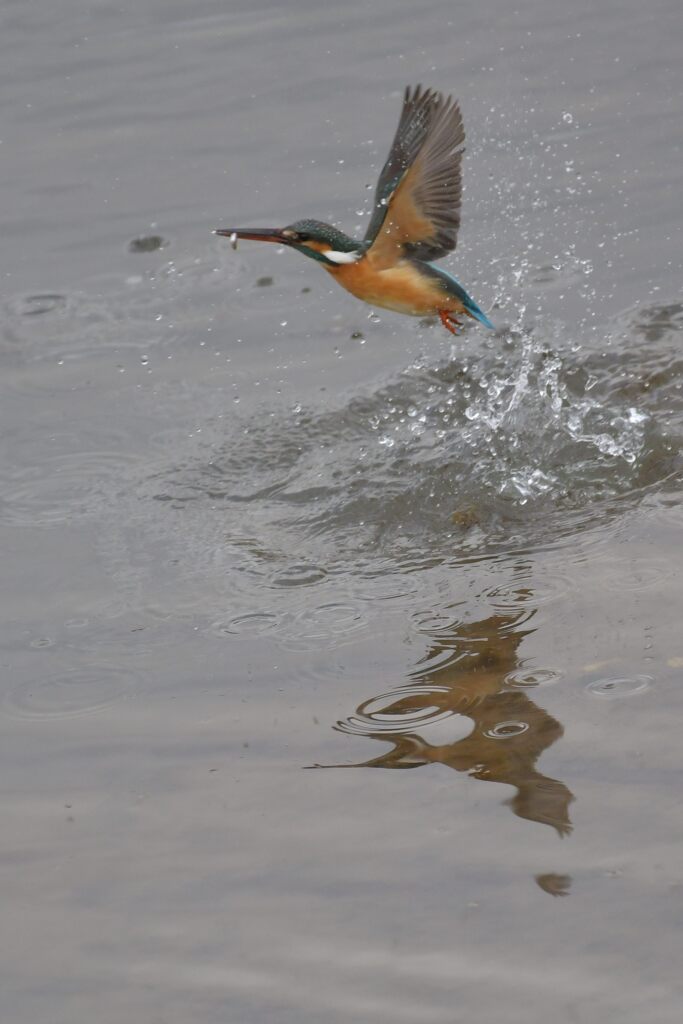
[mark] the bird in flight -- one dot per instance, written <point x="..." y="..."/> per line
<point x="415" y="220"/>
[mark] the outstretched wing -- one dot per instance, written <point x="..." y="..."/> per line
<point x="417" y="202"/>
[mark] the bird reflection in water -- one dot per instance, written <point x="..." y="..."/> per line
<point x="467" y="672"/>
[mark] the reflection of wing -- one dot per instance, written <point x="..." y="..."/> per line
<point x="417" y="202"/>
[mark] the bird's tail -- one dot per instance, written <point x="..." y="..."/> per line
<point x="474" y="311"/>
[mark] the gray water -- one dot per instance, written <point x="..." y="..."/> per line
<point x="255" y="535"/>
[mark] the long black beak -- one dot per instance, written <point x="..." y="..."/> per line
<point x="255" y="235"/>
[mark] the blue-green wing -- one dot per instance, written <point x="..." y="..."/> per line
<point x="417" y="201"/>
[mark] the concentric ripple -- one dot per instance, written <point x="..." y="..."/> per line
<point x="254" y="623"/>
<point x="404" y="710"/>
<point x="506" y="730"/>
<point x="308" y="628"/>
<point x="298" y="575"/>
<point x="37" y="305"/>
<point x="615" y="689"/>
<point x="69" y="694"/>
<point x="530" y="678"/>
<point x="332" y="618"/>
<point x="70" y="485"/>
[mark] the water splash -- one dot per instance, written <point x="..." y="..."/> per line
<point x="517" y="441"/>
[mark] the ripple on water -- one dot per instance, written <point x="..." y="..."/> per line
<point x="301" y="575"/>
<point x="36" y="305"/>
<point x="124" y="316"/>
<point x="325" y="626"/>
<point x="442" y="623"/>
<point x="535" y="586"/>
<point x="330" y="619"/>
<point x="106" y="639"/>
<point x="384" y="588"/>
<point x="527" y="678"/>
<point x="506" y="730"/>
<point x="441" y="656"/>
<point x="626" y="574"/>
<point x="308" y="628"/>
<point x="70" y="694"/>
<point x="50" y="325"/>
<point x="616" y="688"/>
<point x="67" y="487"/>
<point x="406" y="709"/>
<point x="252" y="623"/>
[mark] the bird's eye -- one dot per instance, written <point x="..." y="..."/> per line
<point x="303" y="237"/>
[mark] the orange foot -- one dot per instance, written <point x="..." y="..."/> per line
<point x="449" y="321"/>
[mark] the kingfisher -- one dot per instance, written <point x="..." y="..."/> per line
<point x="415" y="220"/>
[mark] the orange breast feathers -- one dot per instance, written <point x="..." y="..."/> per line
<point x="401" y="288"/>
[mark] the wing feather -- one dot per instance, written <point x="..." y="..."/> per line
<point x="417" y="201"/>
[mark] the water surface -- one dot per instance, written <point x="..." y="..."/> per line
<point x="258" y="542"/>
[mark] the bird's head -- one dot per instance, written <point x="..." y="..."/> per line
<point x="313" y="238"/>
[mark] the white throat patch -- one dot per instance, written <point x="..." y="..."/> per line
<point x="342" y="257"/>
